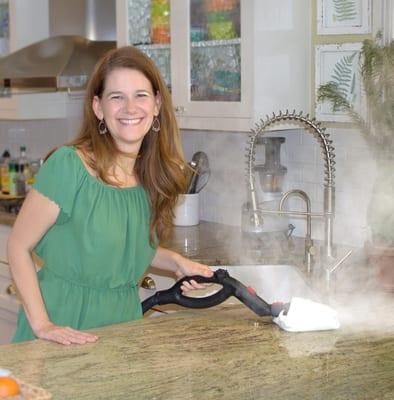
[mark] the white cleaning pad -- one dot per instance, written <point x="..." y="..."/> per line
<point x="306" y="315"/>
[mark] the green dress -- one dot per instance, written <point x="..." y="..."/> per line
<point x="95" y="253"/>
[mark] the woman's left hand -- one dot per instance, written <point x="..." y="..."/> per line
<point x="187" y="267"/>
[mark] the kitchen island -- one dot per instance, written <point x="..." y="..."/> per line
<point x="225" y="352"/>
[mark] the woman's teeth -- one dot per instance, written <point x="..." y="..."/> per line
<point x="133" y="121"/>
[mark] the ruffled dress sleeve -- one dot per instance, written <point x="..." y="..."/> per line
<point x="59" y="179"/>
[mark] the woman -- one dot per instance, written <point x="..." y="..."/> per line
<point x="99" y="207"/>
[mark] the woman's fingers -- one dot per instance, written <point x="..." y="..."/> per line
<point x="66" y="335"/>
<point x="192" y="285"/>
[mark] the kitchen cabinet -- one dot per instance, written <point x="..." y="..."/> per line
<point x="226" y="67"/>
<point x="22" y="23"/>
<point x="205" y="62"/>
<point x="8" y="301"/>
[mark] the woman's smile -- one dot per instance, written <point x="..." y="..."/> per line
<point x="130" y="121"/>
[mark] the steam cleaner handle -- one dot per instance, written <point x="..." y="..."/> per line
<point x="248" y="296"/>
<point x="174" y="295"/>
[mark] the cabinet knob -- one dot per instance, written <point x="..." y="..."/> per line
<point x="11" y="289"/>
<point x="148" y="283"/>
<point x="180" y="109"/>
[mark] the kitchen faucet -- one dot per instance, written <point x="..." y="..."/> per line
<point x="328" y="213"/>
<point x="309" y="251"/>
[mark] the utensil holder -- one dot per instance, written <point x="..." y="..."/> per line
<point x="187" y="210"/>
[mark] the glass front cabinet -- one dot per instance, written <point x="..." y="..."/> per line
<point x="204" y="49"/>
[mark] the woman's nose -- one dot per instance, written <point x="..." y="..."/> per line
<point x="129" y="104"/>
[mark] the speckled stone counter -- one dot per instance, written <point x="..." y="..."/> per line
<point x="226" y="353"/>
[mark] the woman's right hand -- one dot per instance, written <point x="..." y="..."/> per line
<point x="64" y="334"/>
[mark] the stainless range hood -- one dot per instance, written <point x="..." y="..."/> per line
<point x="47" y="79"/>
<point x="54" y="64"/>
<point x="79" y="31"/>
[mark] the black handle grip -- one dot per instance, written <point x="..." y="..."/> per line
<point x="231" y="287"/>
<point x="174" y="294"/>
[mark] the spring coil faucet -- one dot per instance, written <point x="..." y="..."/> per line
<point x="323" y="138"/>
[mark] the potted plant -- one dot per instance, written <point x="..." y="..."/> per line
<point x="377" y="127"/>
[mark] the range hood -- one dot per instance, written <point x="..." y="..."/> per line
<point x="45" y="79"/>
<point x="60" y="63"/>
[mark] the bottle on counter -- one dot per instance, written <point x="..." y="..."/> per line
<point x="4" y="172"/>
<point x="23" y="172"/>
<point x="34" y="167"/>
<point x="12" y="173"/>
<point x="20" y="180"/>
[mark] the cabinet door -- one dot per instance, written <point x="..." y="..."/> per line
<point x="212" y="63"/>
<point x="204" y="51"/>
<point x="28" y="22"/>
<point x="4" y="233"/>
<point x="146" y="24"/>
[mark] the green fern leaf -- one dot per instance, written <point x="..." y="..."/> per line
<point x="343" y="76"/>
<point x="345" y="10"/>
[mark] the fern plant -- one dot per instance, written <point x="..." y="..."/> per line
<point x="377" y="76"/>
<point x="377" y="126"/>
<point x="344" y="78"/>
<point x="345" y="10"/>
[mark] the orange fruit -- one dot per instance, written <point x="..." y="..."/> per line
<point x="8" y="386"/>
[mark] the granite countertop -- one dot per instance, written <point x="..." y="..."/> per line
<point x="221" y="353"/>
<point x="225" y="352"/>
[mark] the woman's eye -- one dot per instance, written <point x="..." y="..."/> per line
<point x="142" y="94"/>
<point x="116" y="97"/>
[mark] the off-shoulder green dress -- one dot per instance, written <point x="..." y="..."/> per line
<point x="95" y="253"/>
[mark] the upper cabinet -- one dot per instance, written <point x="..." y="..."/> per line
<point x="22" y="23"/>
<point x="203" y="49"/>
<point x="228" y="63"/>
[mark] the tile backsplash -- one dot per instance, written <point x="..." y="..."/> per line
<point x="39" y="136"/>
<point x="222" y="198"/>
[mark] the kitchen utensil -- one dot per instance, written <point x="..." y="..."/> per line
<point x="200" y="164"/>
<point x="202" y="180"/>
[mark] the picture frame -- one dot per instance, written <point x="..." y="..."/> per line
<point x="338" y="63"/>
<point x="339" y="17"/>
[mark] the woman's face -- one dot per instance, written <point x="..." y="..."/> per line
<point x="128" y="106"/>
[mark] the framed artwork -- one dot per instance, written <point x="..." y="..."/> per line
<point x="338" y="63"/>
<point x="338" y="17"/>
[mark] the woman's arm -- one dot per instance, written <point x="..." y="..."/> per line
<point x="36" y="216"/>
<point x="170" y="261"/>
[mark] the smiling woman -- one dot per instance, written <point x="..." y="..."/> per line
<point x="100" y="206"/>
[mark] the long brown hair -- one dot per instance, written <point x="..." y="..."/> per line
<point x="159" y="164"/>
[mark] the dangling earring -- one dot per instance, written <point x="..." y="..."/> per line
<point x="156" y="125"/>
<point x="102" y="127"/>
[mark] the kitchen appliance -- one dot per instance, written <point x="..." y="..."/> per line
<point x="272" y="172"/>
<point x="79" y="33"/>
<point x="230" y="287"/>
<point x="269" y="184"/>
<point x="299" y="315"/>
